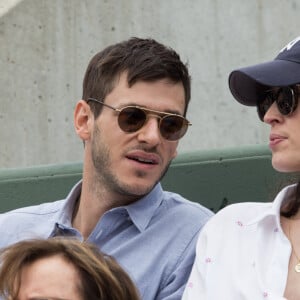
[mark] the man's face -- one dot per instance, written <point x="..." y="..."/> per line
<point x="132" y="163"/>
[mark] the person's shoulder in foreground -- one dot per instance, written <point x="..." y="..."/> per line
<point x="130" y="119"/>
<point x="61" y="268"/>
<point x="247" y="250"/>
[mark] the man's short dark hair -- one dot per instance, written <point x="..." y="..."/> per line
<point x="142" y="60"/>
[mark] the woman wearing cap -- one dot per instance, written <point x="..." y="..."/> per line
<point x="252" y="250"/>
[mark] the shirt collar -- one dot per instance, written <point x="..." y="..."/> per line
<point x="140" y="212"/>
<point x="67" y="209"/>
<point x="275" y="208"/>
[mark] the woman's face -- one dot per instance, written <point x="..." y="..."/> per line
<point x="284" y="140"/>
<point x="49" y="278"/>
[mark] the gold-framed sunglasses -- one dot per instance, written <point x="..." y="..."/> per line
<point x="131" y="118"/>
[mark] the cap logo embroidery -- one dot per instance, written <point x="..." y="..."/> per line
<point x="290" y="44"/>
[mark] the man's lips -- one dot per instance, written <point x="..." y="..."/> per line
<point x="144" y="157"/>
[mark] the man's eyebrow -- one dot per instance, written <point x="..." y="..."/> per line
<point x="168" y="111"/>
<point x="47" y="298"/>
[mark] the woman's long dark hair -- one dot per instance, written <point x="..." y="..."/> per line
<point x="291" y="206"/>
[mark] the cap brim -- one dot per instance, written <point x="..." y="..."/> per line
<point x="247" y="84"/>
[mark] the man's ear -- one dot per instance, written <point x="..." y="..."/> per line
<point x="83" y="120"/>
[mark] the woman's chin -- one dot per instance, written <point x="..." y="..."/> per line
<point x="285" y="165"/>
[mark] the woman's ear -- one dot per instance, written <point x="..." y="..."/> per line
<point x="83" y="120"/>
<point x="174" y="154"/>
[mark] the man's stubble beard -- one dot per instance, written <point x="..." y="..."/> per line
<point x="106" y="176"/>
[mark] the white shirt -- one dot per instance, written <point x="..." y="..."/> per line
<point x="242" y="253"/>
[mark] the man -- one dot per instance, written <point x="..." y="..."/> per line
<point x="135" y="98"/>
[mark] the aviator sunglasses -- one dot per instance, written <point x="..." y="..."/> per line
<point x="172" y="127"/>
<point x="286" y="99"/>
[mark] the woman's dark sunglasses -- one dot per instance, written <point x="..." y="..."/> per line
<point x="286" y="99"/>
<point x="172" y="127"/>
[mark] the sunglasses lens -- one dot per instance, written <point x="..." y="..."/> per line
<point x="131" y="119"/>
<point x="264" y="105"/>
<point x="172" y="128"/>
<point x="286" y="101"/>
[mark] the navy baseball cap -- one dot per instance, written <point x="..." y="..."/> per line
<point x="248" y="84"/>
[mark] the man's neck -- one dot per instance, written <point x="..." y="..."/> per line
<point x="89" y="208"/>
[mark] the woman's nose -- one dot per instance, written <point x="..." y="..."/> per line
<point x="273" y="114"/>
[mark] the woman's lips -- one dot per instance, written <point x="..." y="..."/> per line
<point x="276" y="139"/>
